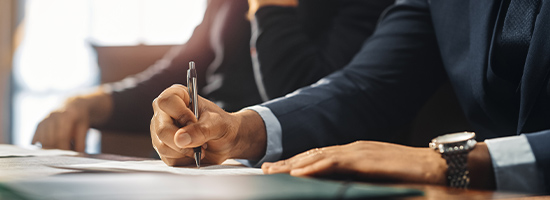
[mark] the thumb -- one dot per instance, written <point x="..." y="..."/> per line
<point x="193" y="135"/>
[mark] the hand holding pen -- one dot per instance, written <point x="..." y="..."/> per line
<point x="180" y="136"/>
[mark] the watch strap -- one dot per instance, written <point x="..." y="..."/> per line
<point x="458" y="175"/>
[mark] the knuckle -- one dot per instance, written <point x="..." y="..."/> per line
<point x="163" y="150"/>
<point x="202" y="128"/>
<point x="160" y="100"/>
<point x="333" y="161"/>
<point x="155" y="101"/>
<point x="54" y="114"/>
<point x="176" y="85"/>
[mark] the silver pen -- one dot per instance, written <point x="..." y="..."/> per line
<point x="193" y="104"/>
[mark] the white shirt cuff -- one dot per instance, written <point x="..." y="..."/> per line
<point x="515" y="165"/>
<point x="273" y="129"/>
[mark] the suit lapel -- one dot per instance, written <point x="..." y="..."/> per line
<point x="536" y="69"/>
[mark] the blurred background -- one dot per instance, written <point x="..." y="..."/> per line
<point x="53" y="49"/>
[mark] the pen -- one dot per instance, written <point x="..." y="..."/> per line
<point x="193" y="103"/>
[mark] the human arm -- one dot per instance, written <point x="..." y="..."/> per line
<point x="377" y="93"/>
<point x="360" y="101"/>
<point x="307" y="42"/>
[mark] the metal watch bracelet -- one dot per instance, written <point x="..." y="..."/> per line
<point x="457" y="169"/>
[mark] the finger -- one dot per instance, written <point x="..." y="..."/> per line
<point x="300" y="158"/>
<point x="265" y="167"/>
<point x="196" y="134"/>
<point x="174" y="101"/>
<point x="295" y="163"/>
<point x="48" y="139"/>
<point x="39" y="133"/>
<point x="165" y="130"/>
<point x="62" y="130"/>
<point x="81" y="131"/>
<point x="166" y="151"/>
<point x="320" y="168"/>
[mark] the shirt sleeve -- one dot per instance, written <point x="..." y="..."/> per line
<point x="274" y="137"/>
<point x="515" y="165"/>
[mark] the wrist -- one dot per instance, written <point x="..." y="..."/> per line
<point x="481" y="167"/>
<point x="96" y="107"/>
<point x="250" y="136"/>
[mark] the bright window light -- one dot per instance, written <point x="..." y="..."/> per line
<point x="149" y="22"/>
<point x="55" y="59"/>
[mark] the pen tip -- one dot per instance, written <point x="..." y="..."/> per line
<point x="198" y="159"/>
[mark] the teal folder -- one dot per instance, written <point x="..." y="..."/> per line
<point x="82" y="186"/>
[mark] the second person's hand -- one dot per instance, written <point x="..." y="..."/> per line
<point x="67" y="127"/>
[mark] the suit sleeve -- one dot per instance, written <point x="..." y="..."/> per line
<point x="303" y="45"/>
<point x="382" y="88"/>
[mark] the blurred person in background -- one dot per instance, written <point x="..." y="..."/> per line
<point x="314" y="31"/>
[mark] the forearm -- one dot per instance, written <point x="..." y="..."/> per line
<point x="251" y="136"/>
<point x="98" y="105"/>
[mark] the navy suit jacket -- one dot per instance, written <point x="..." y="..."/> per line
<point x="417" y="46"/>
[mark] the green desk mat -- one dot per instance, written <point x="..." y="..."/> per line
<point x="83" y="186"/>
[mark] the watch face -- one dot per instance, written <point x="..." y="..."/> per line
<point x="455" y="137"/>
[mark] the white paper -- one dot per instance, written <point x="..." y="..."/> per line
<point x="7" y="150"/>
<point x="230" y="167"/>
<point x="25" y="168"/>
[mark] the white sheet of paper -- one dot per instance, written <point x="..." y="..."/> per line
<point x="31" y="167"/>
<point x="7" y="150"/>
<point x="230" y="167"/>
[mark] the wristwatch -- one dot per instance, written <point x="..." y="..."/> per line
<point x="454" y="148"/>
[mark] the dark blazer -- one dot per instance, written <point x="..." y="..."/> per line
<point x="418" y="45"/>
<point x="306" y="43"/>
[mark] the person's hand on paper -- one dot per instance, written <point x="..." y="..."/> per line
<point x="381" y="161"/>
<point x="366" y="159"/>
<point x="175" y="130"/>
<point x="67" y="127"/>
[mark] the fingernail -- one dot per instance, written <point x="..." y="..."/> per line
<point x="183" y="140"/>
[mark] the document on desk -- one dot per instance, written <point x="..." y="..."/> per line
<point x="230" y="167"/>
<point x="7" y="150"/>
<point x="31" y="167"/>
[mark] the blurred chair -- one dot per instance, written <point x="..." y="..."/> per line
<point x="115" y="63"/>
